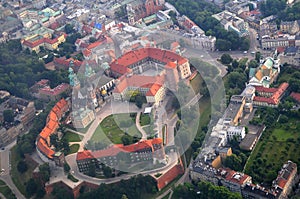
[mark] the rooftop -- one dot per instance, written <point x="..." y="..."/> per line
<point x="121" y="65"/>
<point x="117" y="148"/>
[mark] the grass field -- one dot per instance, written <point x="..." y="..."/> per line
<point x="72" y="137"/>
<point x="18" y="178"/>
<point x="114" y="127"/>
<point x="73" y="148"/>
<point x="6" y="191"/>
<point x="276" y="146"/>
<point x="145" y="119"/>
<point x="196" y="83"/>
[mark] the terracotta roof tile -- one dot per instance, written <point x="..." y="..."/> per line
<point x="51" y="127"/>
<point x="165" y="56"/>
<point x="295" y="96"/>
<point x="169" y="176"/>
<point x="117" y="148"/>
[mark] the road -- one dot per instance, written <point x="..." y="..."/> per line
<point x="109" y="108"/>
<point x="5" y="164"/>
<point x="71" y="160"/>
<point x="120" y="107"/>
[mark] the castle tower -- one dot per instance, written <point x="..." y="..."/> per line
<point x="92" y="95"/>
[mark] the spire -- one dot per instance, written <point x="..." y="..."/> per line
<point x="73" y="77"/>
<point x="88" y="70"/>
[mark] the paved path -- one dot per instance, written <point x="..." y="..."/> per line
<point x="107" y="109"/>
<point x="71" y="160"/>
<point x="5" y="164"/>
<point x="138" y="125"/>
<point x="73" y="131"/>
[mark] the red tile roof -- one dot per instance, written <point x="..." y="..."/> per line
<point x="38" y="42"/>
<point x="54" y="91"/>
<point x="275" y="98"/>
<point x="43" y="148"/>
<point x="280" y="49"/>
<point x="66" y="62"/>
<point x="43" y="82"/>
<point x="51" y="126"/>
<point x="139" y="81"/>
<point x="264" y="89"/>
<point x="169" y="176"/>
<point x="83" y="155"/>
<point x="117" y="148"/>
<point x="295" y="96"/>
<point x="235" y="177"/>
<point x="285" y="174"/>
<point x="153" y="89"/>
<point x="165" y="56"/>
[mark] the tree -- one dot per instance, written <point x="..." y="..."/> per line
<point x="8" y="116"/>
<point x="235" y="64"/>
<point x="22" y="166"/>
<point x="44" y="172"/>
<point x="257" y="56"/>
<point x="54" y="140"/>
<point x="92" y="39"/>
<point x="245" y="44"/>
<point x="226" y="59"/>
<point x="92" y="170"/>
<point x="126" y="139"/>
<point x="107" y="171"/>
<point x="61" y="193"/>
<point x="66" y="167"/>
<point x="38" y="104"/>
<point x="31" y="187"/>
<point x="283" y="119"/>
<point x="233" y="162"/>
<point x="252" y="64"/>
<point x="223" y="45"/>
<point x="69" y="28"/>
<point x="26" y="147"/>
<point x="139" y="101"/>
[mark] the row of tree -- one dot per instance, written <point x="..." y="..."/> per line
<point x="204" y="190"/>
<point x="136" y="187"/>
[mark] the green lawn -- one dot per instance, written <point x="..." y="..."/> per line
<point x="73" y="148"/>
<point x="277" y="145"/>
<point x="145" y="119"/>
<point x="113" y="128"/>
<point x="18" y="178"/>
<point x="6" y="191"/>
<point x="72" y="137"/>
<point x="196" y="83"/>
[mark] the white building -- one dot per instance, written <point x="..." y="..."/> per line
<point x="236" y="131"/>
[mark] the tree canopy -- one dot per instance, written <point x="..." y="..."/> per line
<point x="19" y="70"/>
<point x="200" y="12"/>
<point x="136" y="187"/>
<point x="204" y="190"/>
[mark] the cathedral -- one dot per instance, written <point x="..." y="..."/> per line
<point x="139" y="9"/>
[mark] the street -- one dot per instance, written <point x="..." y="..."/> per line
<point x="5" y="164"/>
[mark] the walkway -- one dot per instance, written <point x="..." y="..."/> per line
<point x="138" y="125"/>
<point x="5" y="164"/>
